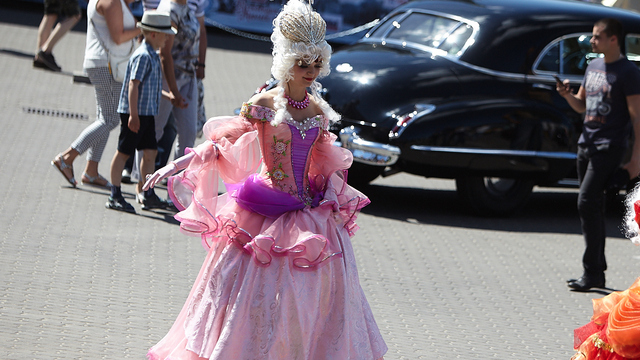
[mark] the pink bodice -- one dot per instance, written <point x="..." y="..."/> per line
<point x="287" y="151"/>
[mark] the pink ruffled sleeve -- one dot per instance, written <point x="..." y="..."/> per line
<point x="231" y="153"/>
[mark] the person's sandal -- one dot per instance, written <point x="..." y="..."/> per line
<point x="98" y="181"/>
<point x="59" y="163"/>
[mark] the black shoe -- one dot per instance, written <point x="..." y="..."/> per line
<point x="151" y="202"/>
<point x="587" y="282"/>
<point x="38" y="64"/>
<point x="171" y="206"/>
<point x="46" y="61"/>
<point x="120" y="204"/>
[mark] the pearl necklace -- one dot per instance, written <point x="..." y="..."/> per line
<point x="299" y="104"/>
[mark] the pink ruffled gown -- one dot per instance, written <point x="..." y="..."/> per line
<point x="280" y="278"/>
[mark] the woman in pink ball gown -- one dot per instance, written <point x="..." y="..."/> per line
<point x="280" y="279"/>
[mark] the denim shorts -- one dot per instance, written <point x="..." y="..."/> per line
<point x="144" y="139"/>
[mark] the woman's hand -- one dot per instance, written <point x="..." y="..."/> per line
<point x="178" y="101"/>
<point x="157" y="176"/>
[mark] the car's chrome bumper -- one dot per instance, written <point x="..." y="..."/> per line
<point x="367" y="152"/>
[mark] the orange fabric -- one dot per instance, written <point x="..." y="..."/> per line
<point x="614" y="331"/>
<point x="624" y="323"/>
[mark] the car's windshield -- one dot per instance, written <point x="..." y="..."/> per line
<point x="425" y="30"/>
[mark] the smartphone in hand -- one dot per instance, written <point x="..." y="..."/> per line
<point x="558" y="81"/>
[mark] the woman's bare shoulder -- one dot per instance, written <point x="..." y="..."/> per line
<point x="264" y="99"/>
<point x="106" y="7"/>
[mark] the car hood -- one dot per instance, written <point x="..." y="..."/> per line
<point x="369" y="82"/>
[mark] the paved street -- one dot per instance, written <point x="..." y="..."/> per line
<point x="78" y="281"/>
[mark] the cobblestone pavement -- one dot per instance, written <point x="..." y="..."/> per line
<point x="78" y="281"/>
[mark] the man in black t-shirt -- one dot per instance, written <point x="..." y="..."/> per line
<point x="610" y="98"/>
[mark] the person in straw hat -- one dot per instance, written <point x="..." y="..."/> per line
<point x="280" y="279"/>
<point x="139" y="101"/>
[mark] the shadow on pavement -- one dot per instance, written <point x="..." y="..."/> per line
<point x="545" y="212"/>
<point x="17" y="53"/>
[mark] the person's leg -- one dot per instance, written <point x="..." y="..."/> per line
<point x="41" y="59"/>
<point x="94" y="137"/>
<point x="127" y="141"/>
<point x="117" y="164"/>
<point x="58" y="32"/>
<point x="116" y="201"/>
<point x="165" y="144"/>
<point x="68" y="12"/>
<point x="45" y="28"/>
<point x="147" y="166"/>
<point x="148" y="145"/>
<point x="52" y="12"/>
<point x="148" y="198"/>
<point x="160" y="120"/>
<point x="186" y="119"/>
<point x="126" y="145"/>
<point x="202" y="118"/>
<point x="594" y="172"/>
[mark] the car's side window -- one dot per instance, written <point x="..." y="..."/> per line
<point x="381" y="30"/>
<point x="576" y="54"/>
<point x="567" y="56"/>
<point x="456" y="41"/>
<point x="550" y="60"/>
<point x="633" y="48"/>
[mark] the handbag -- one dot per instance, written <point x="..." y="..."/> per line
<point x="118" y="67"/>
<point x="117" y="64"/>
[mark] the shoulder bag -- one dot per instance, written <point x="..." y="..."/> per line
<point x="117" y="64"/>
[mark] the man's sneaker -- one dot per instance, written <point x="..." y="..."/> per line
<point x="120" y="204"/>
<point x="126" y="176"/>
<point x="151" y="202"/>
<point x="46" y="61"/>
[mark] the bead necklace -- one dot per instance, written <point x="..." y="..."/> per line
<point x="299" y="104"/>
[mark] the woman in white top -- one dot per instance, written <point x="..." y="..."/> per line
<point x="110" y="23"/>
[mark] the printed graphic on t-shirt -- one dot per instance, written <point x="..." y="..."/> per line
<point x="598" y="102"/>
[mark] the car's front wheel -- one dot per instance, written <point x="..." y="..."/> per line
<point x="491" y="196"/>
<point x="362" y="174"/>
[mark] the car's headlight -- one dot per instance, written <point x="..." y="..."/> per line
<point x="404" y="120"/>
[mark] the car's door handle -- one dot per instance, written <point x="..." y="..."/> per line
<point x="543" y="86"/>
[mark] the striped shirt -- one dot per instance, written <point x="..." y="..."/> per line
<point x="198" y="6"/>
<point x="144" y="66"/>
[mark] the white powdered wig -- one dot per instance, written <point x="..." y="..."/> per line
<point x="630" y="226"/>
<point x="298" y="34"/>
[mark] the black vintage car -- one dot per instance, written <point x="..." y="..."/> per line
<point x="464" y="89"/>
